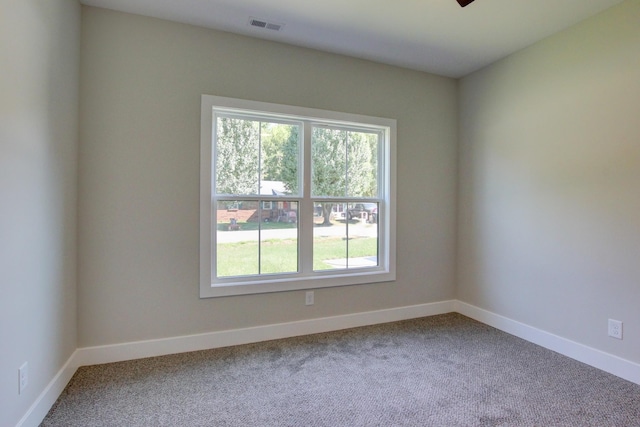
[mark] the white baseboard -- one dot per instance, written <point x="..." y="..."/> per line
<point x="49" y="395"/>
<point x="159" y="347"/>
<point x="182" y="344"/>
<point x="615" y="365"/>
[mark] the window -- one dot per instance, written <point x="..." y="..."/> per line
<point x="293" y="198"/>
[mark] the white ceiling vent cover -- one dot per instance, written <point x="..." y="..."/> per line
<point x="264" y="24"/>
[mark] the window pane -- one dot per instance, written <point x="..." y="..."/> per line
<point x="280" y="145"/>
<point x="256" y="157"/>
<point x="328" y="162"/>
<point x="252" y="240"/>
<point x="237" y="250"/>
<point x="237" y="154"/>
<point x="344" y="163"/>
<point x="363" y="235"/>
<point x="362" y="164"/>
<point x="329" y="236"/>
<point x="345" y="236"/>
<point x="279" y="239"/>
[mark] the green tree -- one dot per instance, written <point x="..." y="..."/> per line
<point x="329" y="162"/>
<point x="362" y="157"/>
<point x="237" y="151"/>
<point x="280" y="144"/>
<point x="343" y="165"/>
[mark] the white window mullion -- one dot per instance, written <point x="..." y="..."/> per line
<point x="306" y="206"/>
<point x="209" y="153"/>
<point x="346" y="193"/>
<point x="258" y="193"/>
<point x="259" y="236"/>
<point x="346" y="164"/>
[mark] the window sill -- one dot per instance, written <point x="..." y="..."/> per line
<point x="296" y="283"/>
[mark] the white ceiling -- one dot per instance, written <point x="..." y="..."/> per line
<point x="436" y="36"/>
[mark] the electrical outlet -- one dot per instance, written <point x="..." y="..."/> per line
<point x="23" y="377"/>
<point x="308" y="298"/>
<point x="615" y="329"/>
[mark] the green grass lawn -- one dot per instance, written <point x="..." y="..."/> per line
<point x="280" y="256"/>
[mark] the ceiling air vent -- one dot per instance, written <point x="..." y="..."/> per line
<point x="261" y="23"/>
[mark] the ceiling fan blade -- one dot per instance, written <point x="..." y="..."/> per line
<point x="464" y="3"/>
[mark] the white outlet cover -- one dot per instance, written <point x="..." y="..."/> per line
<point x="309" y="298"/>
<point x="23" y="377"/>
<point x="615" y="329"/>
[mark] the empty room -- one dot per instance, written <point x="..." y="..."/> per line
<point x="250" y="213"/>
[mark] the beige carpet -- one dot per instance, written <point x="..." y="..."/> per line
<point x="443" y="370"/>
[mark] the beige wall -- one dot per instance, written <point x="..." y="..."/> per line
<point x="141" y="81"/>
<point x="39" y="59"/>
<point x="549" y="229"/>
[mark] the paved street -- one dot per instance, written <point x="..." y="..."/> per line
<point x="355" y="230"/>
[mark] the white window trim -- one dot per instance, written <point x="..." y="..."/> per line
<point x="385" y="272"/>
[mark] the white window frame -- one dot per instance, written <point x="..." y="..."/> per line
<point x="305" y="279"/>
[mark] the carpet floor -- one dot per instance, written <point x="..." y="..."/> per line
<point x="445" y="370"/>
